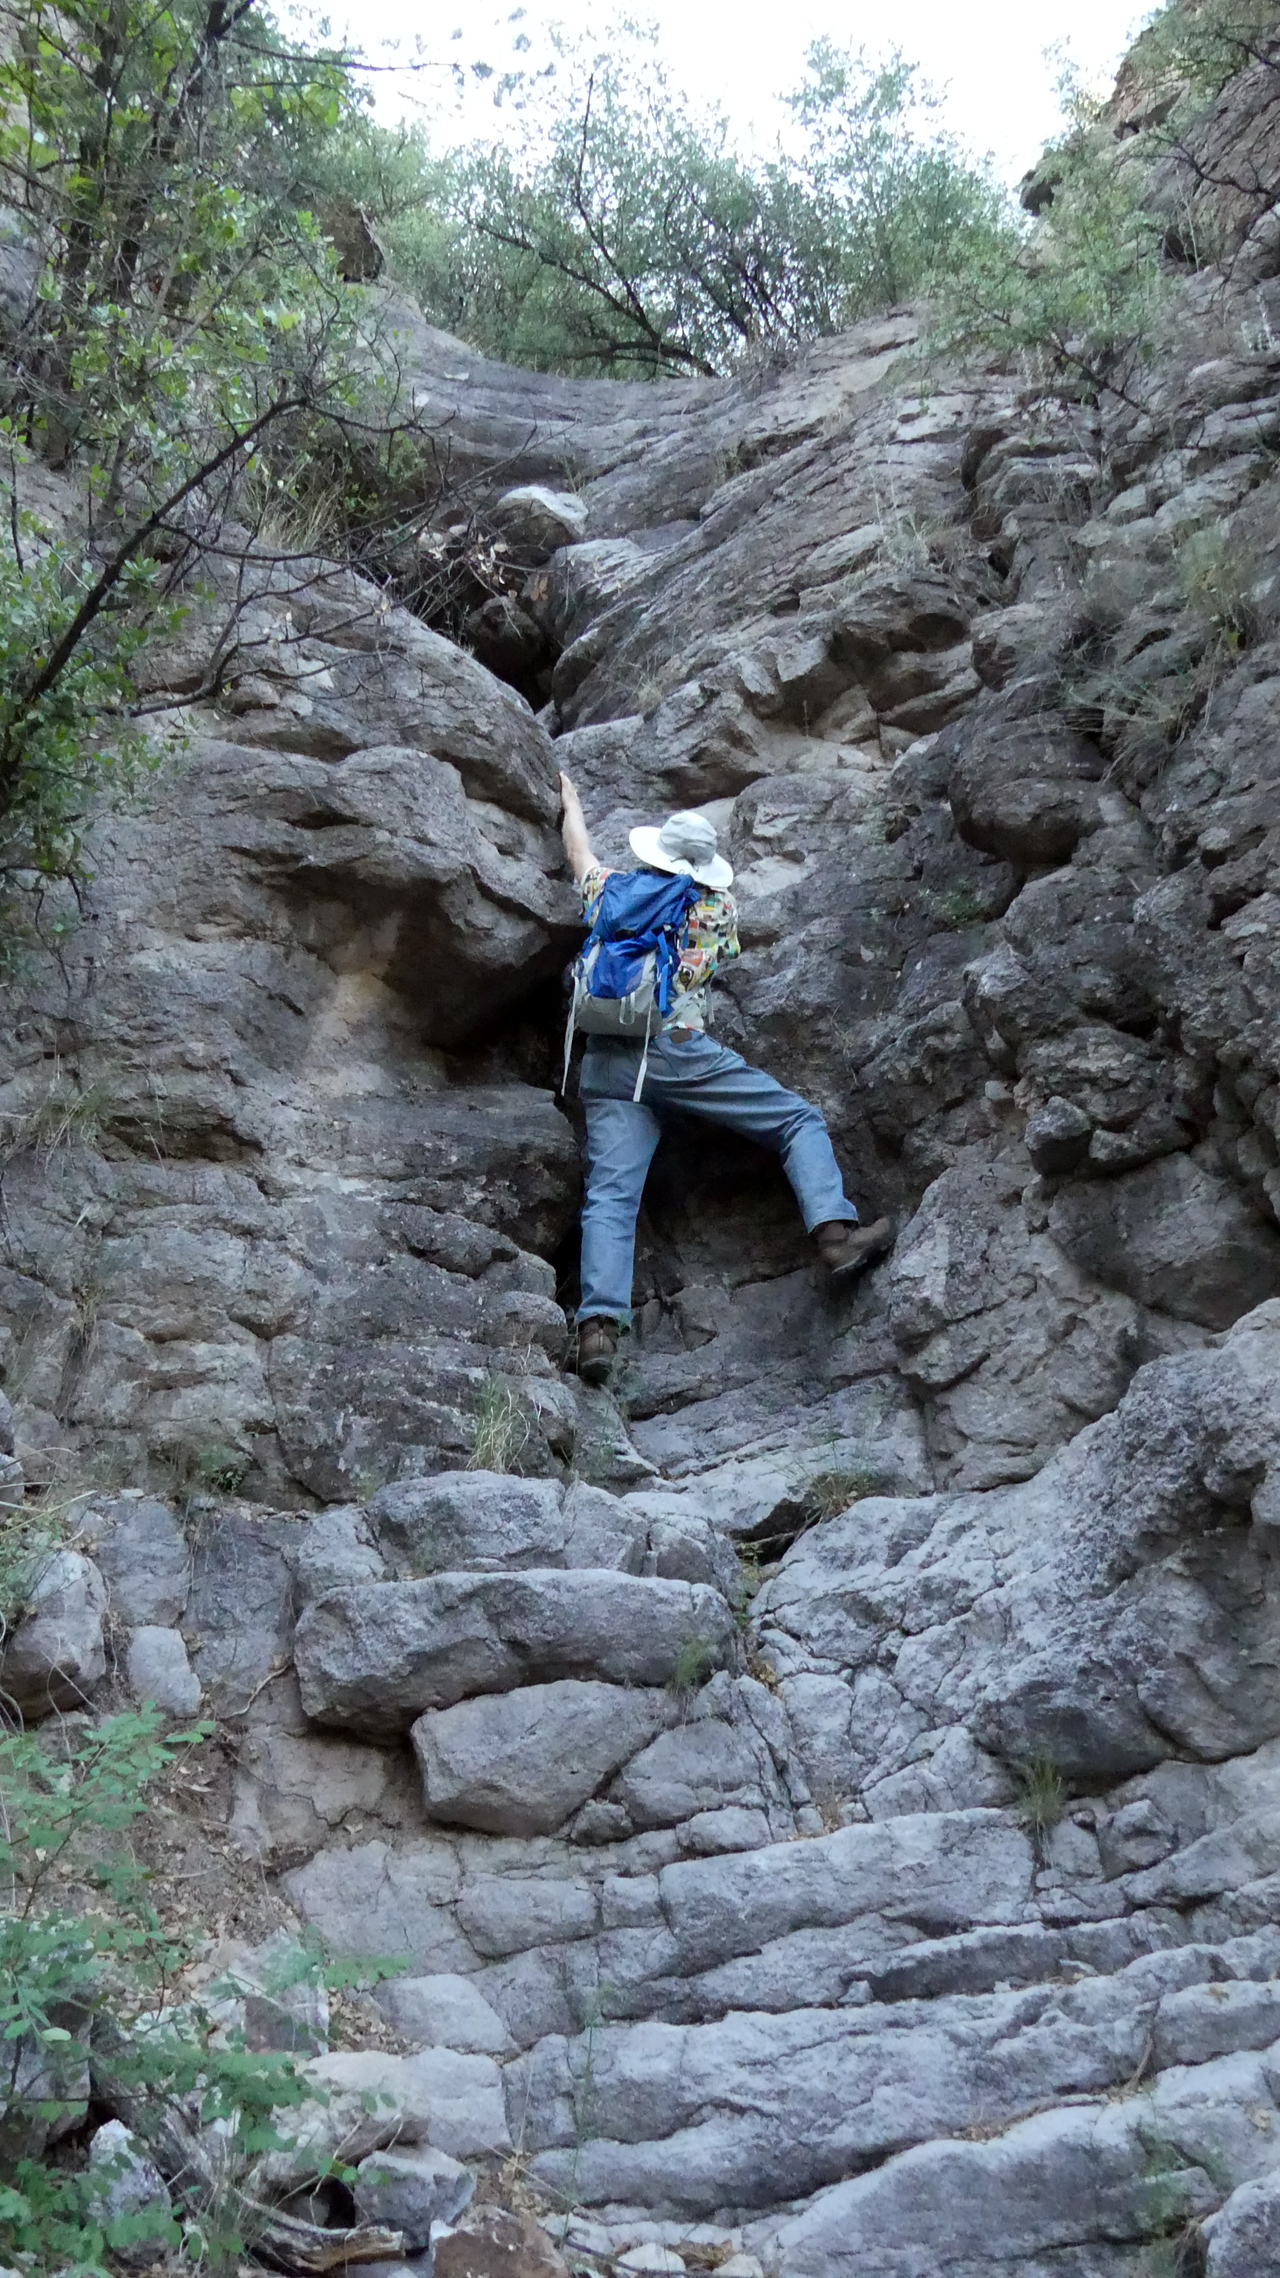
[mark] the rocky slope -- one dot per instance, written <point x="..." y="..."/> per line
<point x="916" y="1911"/>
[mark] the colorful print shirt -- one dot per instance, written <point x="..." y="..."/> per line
<point x="709" y="938"/>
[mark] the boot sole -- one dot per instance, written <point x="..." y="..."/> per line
<point x="596" y="1371"/>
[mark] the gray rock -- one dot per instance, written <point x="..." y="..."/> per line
<point x="520" y="1763"/>
<point x="388" y="1898"/>
<point x="703" y="1766"/>
<point x="56" y="1655"/>
<point x="336" y="1548"/>
<point x="372" y="2101"/>
<point x="1007" y="1341"/>
<point x="941" y="1872"/>
<point x="608" y="1530"/>
<point x="158" y="1670"/>
<point x="1173" y="1236"/>
<point x="538" y="519"/>
<point x="1057" y="1136"/>
<point x="1100" y="1652"/>
<point x="1244" y="2235"/>
<point x="129" y="2196"/>
<point x="1055" y="2183"/>
<point x="373" y="1657"/>
<point x="509" y="1914"/>
<point x="485" y="1522"/>
<point x="444" y="2010"/>
<point x="410" y="2190"/>
<point x="240" y="1613"/>
<point x="144" y="1559"/>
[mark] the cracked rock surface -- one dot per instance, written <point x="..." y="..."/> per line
<point x="824" y="1788"/>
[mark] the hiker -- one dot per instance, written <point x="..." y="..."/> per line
<point x="629" y="1082"/>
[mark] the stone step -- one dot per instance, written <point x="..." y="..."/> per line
<point x="373" y="1656"/>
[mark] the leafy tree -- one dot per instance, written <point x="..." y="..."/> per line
<point x="1077" y="302"/>
<point x="1196" y="46"/>
<point x="181" y="324"/>
<point x="618" y="230"/>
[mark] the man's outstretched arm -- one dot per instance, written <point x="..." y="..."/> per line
<point x="573" y="830"/>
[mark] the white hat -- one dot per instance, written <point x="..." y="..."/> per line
<point x="685" y="845"/>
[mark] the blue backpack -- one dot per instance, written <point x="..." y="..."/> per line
<point x="624" y="978"/>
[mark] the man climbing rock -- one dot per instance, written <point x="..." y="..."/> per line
<point x="628" y="1089"/>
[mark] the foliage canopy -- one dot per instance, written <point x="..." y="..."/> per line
<point x="615" y="229"/>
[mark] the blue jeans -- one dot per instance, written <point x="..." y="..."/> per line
<point x="693" y="1077"/>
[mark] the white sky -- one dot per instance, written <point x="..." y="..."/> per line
<point x="990" y="59"/>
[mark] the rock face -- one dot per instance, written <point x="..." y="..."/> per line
<point x="56" y="1654"/>
<point x="824" y="1791"/>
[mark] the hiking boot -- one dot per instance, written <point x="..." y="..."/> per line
<point x="597" y="1350"/>
<point x="846" y="1248"/>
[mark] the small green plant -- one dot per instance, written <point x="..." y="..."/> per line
<point x="1077" y="302"/>
<point x="831" y="1492"/>
<point x="1220" y="581"/>
<point x="1175" y="2246"/>
<point x="219" y="1468"/>
<point x="27" y="1541"/>
<point x="1041" y="1801"/>
<point x="694" y="1663"/>
<point x="749" y="1579"/>
<point x="958" y="907"/>
<point x="65" y="1115"/>
<point x="504" y="1429"/>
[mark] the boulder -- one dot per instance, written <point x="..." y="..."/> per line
<point x="446" y="2010"/>
<point x="409" y="2190"/>
<point x="704" y="1765"/>
<point x="538" y="520"/>
<point x="1043" y="2190"/>
<point x="1243" y="2237"/>
<point x="1031" y="795"/>
<point x="129" y="2197"/>
<point x="372" y="2100"/>
<point x="56" y="1655"/>
<point x="1099" y="1638"/>
<point x="158" y="1670"/>
<point x="495" y="2242"/>
<point x="519" y="1763"/>
<point x="372" y="1657"/>
<point x="144" y="1558"/>
<point x="337" y="1548"/>
<point x="1172" y="1235"/>
<point x="467" y="1521"/>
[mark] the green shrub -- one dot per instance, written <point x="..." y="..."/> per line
<point x="694" y="1664"/>
<point x="1076" y="303"/>
<point x="64" y="746"/>
<point x="1041" y="1800"/>
<point x="831" y="1492"/>
<point x="88" y="1972"/>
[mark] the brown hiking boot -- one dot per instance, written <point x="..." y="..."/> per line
<point x="597" y="1350"/>
<point x="846" y="1248"/>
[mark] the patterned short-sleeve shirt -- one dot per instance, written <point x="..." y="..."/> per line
<point x="708" y="937"/>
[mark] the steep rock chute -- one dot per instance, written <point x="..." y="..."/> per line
<point x="824" y="1793"/>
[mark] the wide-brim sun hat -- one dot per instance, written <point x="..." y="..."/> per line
<point x="686" y="846"/>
